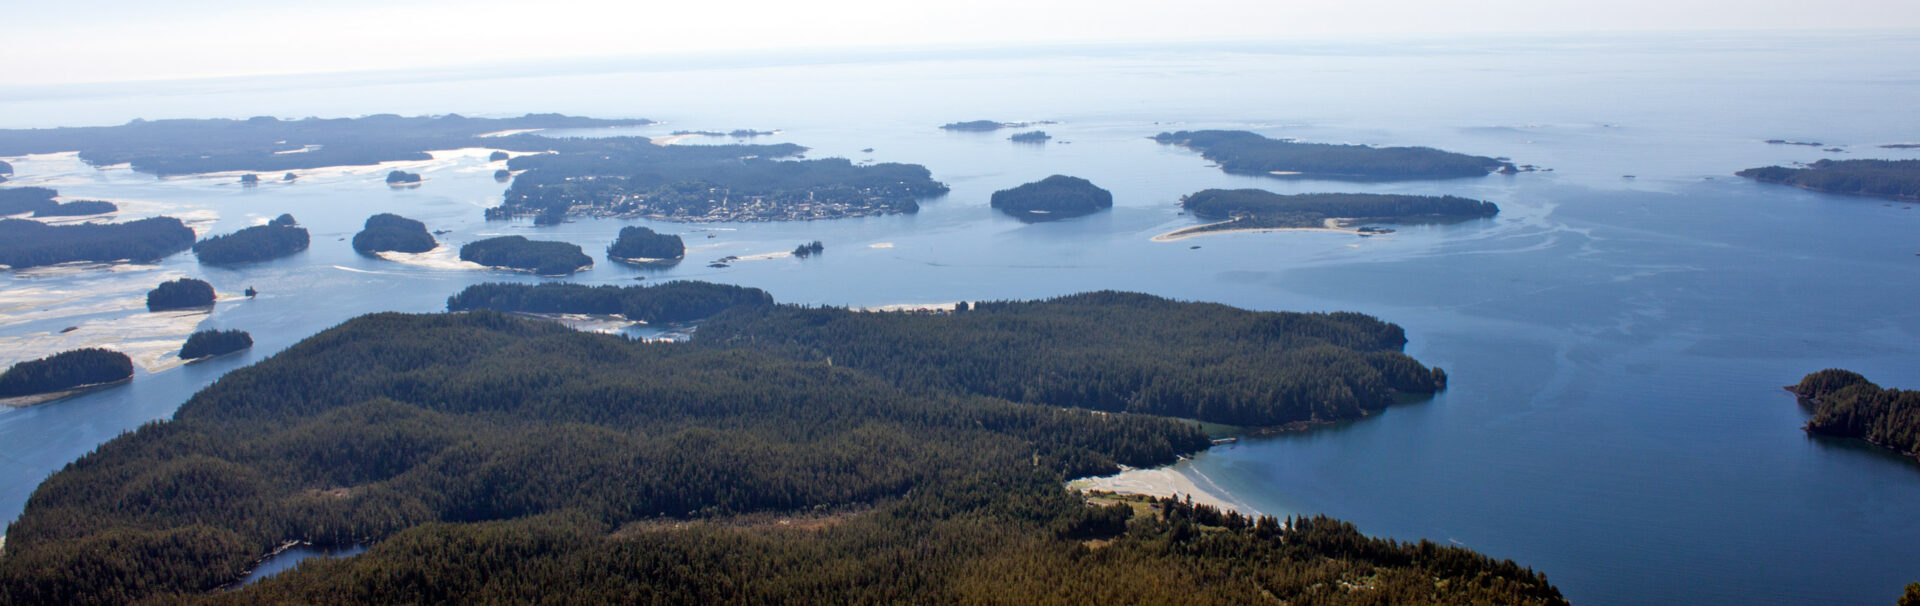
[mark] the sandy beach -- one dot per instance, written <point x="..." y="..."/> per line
<point x="1163" y="481"/>
<point x="947" y="306"/>
<point x="1331" y="225"/>
<point x="443" y="256"/>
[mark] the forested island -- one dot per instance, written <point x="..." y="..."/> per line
<point x="20" y="200"/>
<point x="278" y="238"/>
<point x="390" y="232"/>
<point x="267" y="144"/>
<point x="543" y="257"/>
<point x="181" y="293"/>
<point x="1245" y="153"/>
<point x="630" y="177"/>
<point x="1052" y="198"/>
<point x="65" y="370"/>
<point x="809" y="249"/>
<point x="77" y="208"/>
<point x="6" y="170"/>
<point x="738" y="133"/>
<point x="1038" y="136"/>
<point x="1898" y="179"/>
<point x="642" y="245"/>
<point x="401" y="177"/>
<point x="26" y="243"/>
<point x="208" y="343"/>
<point x="487" y="458"/>
<point x="675" y="301"/>
<point x="1847" y="405"/>
<point x="1250" y="209"/>
<point x="980" y="126"/>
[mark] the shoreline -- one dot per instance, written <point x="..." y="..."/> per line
<point x="1332" y="225"/>
<point x="1167" y="481"/>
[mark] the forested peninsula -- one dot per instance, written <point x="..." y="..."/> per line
<point x="1247" y="209"/>
<point x="278" y="238"/>
<point x="65" y="370"/>
<point x="543" y="257"/>
<point x="631" y="177"/>
<point x="1846" y="404"/>
<point x="1055" y="197"/>
<point x="25" y="243"/>
<point x="1898" y="179"/>
<point x="20" y="200"/>
<point x="489" y="458"/>
<point x="1246" y="153"/>
<point x="267" y="144"/>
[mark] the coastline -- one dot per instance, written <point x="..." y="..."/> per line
<point x="1177" y="480"/>
<point x="1332" y="225"/>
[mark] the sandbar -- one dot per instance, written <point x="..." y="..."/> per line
<point x="1337" y="225"/>
<point x="1162" y="482"/>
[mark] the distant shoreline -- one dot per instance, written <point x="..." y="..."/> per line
<point x="1336" y="225"/>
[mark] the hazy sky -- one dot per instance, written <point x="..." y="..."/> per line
<point x="117" y="40"/>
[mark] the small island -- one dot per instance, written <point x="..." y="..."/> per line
<point x="77" y="208"/>
<point x="1261" y="210"/>
<point x="6" y="170"/>
<point x="403" y="178"/>
<point x="675" y="301"/>
<point x="809" y="249"/>
<point x="1244" y="153"/>
<point x="278" y="238"/>
<point x="546" y="258"/>
<point x="390" y="232"/>
<point x="289" y="177"/>
<point x="21" y="200"/>
<point x="502" y="175"/>
<point x="642" y="246"/>
<point x="249" y="179"/>
<point x="983" y="126"/>
<point x="497" y="156"/>
<point x="183" y="293"/>
<point x="63" y="372"/>
<point x="209" y="343"/>
<point x="1897" y="179"/>
<point x="1038" y="136"/>
<point x="1053" y="198"/>
<point x="26" y="243"/>
<point x="1845" y="404"/>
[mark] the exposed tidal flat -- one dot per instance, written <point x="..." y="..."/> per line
<point x="1615" y="348"/>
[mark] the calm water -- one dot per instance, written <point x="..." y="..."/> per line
<point x="1616" y="346"/>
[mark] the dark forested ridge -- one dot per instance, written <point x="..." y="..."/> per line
<point x="26" y="243"/>
<point x="65" y="370"/>
<point x="492" y="459"/>
<point x="631" y="177"/>
<point x="1108" y="351"/>
<point x="676" y="301"/>
<point x="1263" y="208"/>
<point x="276" y="239"/>
<point x="1242" y="152"/>
<point x="391" y="232"/>
<point x="182" y="293"/>
<point x="1055" y="197"/>
<point x="77" y="208"/>
<point x="215" y="342"/>
<point x="1846" y="404"/>
<point x="637" y="244"/>
<point x="19" y="200"/>
<point x="178" y="147"/>
<point x="1898" y="179"/>
<point x="544" y="257"/>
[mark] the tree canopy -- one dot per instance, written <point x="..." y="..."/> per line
<point x="26" y="243"/>
<point x="1242" y="152"/>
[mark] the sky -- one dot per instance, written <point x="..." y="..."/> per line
<point x="78" y="41"/>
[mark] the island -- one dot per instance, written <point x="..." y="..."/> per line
<point x="666" y="302"/>
<point x="289" y="177"/>
<point x="1897" y="179"/>
<point x="1845" y="404"/>
<point x="6" y="170"/>
<point x="182" y="293"/>
<point x="502" y="175"/>
<point x="209" y="343"/>
<point x="642" y="246"/>
<point x="981" y="126"/>
<point x="1246" y="153"/>
<point x="401" y="177"/>
<point x="809" y="249"/>
<point x="497" y="156"/>
<point x="546" y="258"/>
<point x="249" y="179"/>
<point x="629" y="177"/>
<point x="25" y="244"/>
<point x="1261" y="210"/>
<point x="1053" y="198"/>
<point x="390" y="232"/>
<point x="64" y="371"/>
<point x="489" y="458"/>
<point x="21" y="200"/>
<point x="1038" y="136"/>
<point x="738" y="133"/>
<point x="77" y="208"/>
<point x="268" y="145"/>
<point x="276" y="239"/>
